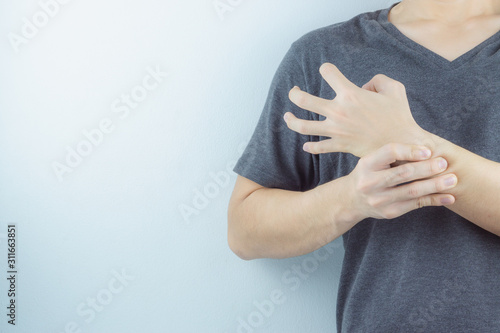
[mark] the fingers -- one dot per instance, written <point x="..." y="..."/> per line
<point x="369" y="86"/>
<point x="392" y="152"/>
<point x="376" y="84"/>
<point x="400" y="208"/>
<point x="423" y="188"/>
<point x="385" y="192"/>
<point x="309" y="102"/>
<point x="396" y="201"/>
<point x="380" y="83"/>
<point x="429" y="200"/>
<point x="306" y="127"/>
<point x="334" y="77"/>
<point x="322" y="147"/>
<point x="412" y="171"/>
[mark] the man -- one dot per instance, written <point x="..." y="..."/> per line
<point x="329" y="158"/>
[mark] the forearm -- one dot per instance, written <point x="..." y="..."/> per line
<point x="478" y="188"/>
<point x="361" y="120"/>
<point x="275" y="223"/>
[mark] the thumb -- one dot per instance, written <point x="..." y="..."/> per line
<point x="369" y="86"/>
<point x="385" y="86"/>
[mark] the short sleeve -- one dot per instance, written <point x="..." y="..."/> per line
<point x="274" y="157"/>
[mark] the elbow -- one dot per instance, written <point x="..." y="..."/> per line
<point x="238" y="249"/>
<point x="238" y="238"/>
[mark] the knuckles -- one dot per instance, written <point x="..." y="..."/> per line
<point x="380" y="77"/>
<point x="433" y="168"/>
<point x="399" y="174"/>
<point x="390" y="149"/>
<point x="420" y="203"/>
<point x="348" y="96"/>
<point x="389" y="82"/>
<point x="403" y="172"/>
<point x="377" y="202"/>
<point x="389" y="213"/>
<point x="396" y="85"/>
<point x="364" y="186"/>
<point x="413" y="191"/>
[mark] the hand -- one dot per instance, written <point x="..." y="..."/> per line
<point x="379" y="191"/>
<point x="358" y="120"/>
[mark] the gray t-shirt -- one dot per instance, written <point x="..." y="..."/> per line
<point x="429" y="270"/>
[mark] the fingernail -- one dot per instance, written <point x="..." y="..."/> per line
<point x="286" y="116"/>
<point x="425" y="153"/>
<point x="306" y="148"/>
<point x="443" y="164"/>
<point x="450" y="181"/>
<point x="446" y="200"/>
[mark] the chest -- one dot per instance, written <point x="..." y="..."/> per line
<point x="460" y="106"/>
<point x="452" y="42"/>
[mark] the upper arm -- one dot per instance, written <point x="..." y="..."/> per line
<point x="242" y="189"/>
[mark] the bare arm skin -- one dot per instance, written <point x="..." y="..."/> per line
<point x="477" y="193"/>
<point x="359" y="120"/>
<point x="275" y="223"/>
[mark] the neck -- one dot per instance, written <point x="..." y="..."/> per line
<point x="449" y="12"/>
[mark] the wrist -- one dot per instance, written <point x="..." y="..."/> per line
<point x="421" y="137"/>
<point x="436" y="144"/>
<point x="349" y="213"/>
<point x="335" y="206"/>
<point x="410" y="134"/>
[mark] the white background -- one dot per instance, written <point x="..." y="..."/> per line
<point x="118" y="212"/>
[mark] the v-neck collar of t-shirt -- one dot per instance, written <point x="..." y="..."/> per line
<point x="437" y="59"/>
